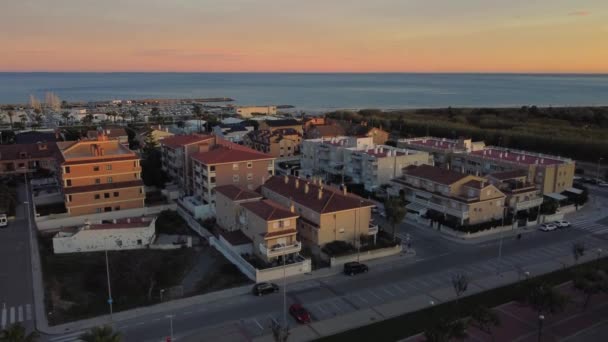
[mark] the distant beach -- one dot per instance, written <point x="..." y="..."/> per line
<point x="318" y="91"/>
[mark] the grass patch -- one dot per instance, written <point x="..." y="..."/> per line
<point x="171" y="223"/>
<point x="224" y="275"/>
<point x="413" y="323"/>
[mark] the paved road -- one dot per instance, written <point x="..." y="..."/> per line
<point x="16" y="300"/>
<point x="244" y="317"/>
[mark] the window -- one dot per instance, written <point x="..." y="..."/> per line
<point x="249" y="176"/>
<point x="67" y="169"/>
<point x="139" y="242"/>
<point x="69" y="198"/>
<point x="135" y="175"/>
<point x="116" y="208"/>
<point x="68" y="182"/>
<point x="97" y="181"/>
<point x="141" y="191"/>
<point x="212" y="180"/>
<point x="116" y="194"/>
<point x="135" y="163"/>
<point x="109" y="167"/>
<point x="275" y="225"/>
<point x="98" y="210"/>
<point x="235" y="166"/>
<point x="106" y="195"/>
<point x="286" y="223"/>
<point x="235" y="178"/>
<point x="107" y="209"/>
<point x="212" y="168"/>
<point x="109" y="179"/>
<point x="95" y="168"/>
<point x="249" y="165"/>
<point x="97" y="196"/>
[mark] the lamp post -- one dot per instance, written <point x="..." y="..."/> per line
<point x="110" y="300"/>
<point x="541" y="318"/>
<point x="162" y="291"/>
<point x="170" y="317"/>
<point x="599" y="161"/>
<point x="284" y="294"/>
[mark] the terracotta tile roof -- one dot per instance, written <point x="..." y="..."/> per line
<point x="110" y="132"/>
<point x="235" y="193"/>
<point x="434" y="174"/>
<point x="102" y="187"/>
<point x="331" y="200"/>
<point x="322" y="131"/>
<point x="28" y="151"/>
<point x="183" y="140"/>
<point x="221" y="154"/>
<point x="32" y="137"/>
<point x="236" y="237"/>
<point x="268" y="210"/>
<point x="280" y="233"/>
<point x="475" y="184"/>
<point x="506" y="175"/>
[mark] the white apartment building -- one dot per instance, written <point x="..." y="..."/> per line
<point x="358" y="158"/>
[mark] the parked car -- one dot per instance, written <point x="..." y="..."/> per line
<point x="562" y="224"/>
<point x="547" y="227"/>
<point x="261" y="289"/>
<point x="3" y="221"/>
<point x="299" y="313"/>
<point x="352" y="268"/>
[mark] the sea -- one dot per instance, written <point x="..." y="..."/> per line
<point x="319" y="91"/>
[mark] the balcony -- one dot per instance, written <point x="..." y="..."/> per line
<point x="523" y="205"/>
<point x="373" y="229"/>
<point x="280" y="249"/>
<point x="438" y="207"/>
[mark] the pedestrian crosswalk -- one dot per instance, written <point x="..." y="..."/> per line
<point x="591" y="225"/>
<point x="14" y="314"/>
<point x="71" y="337"/>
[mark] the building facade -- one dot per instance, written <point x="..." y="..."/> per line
<point x="249" y="111"/>
<point x="176" y="157"/>
<point x="100" y="175"/>
<point x="22" y="158"/>
<point x="281" y="124"/>
<point x="442" y="149"/>
<point x="278" y="143"/>
<point x="464" y="199"/>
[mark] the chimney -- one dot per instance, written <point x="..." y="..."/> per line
<point x="292" y="207"/>
<point x="344" y="190"/>
<point x="286" y="179"/>
<point x="320" y="195"/>
<point x="306" y="188"/>
<point x="297" y="183"/>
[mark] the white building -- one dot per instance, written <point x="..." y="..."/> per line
<point x="112" y="235"/>
<point x="249" y="111"/>
<point x="359" y="159"/>
<point x="232" y="132"/>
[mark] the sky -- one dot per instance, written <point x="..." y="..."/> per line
<point x="537" y="36"/>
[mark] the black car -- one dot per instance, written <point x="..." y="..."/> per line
<point x="261" y="289"/>
<point x="352" y="268"/>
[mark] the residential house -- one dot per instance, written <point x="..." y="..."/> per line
<point x="380" y="136"/>
<point x="176" y="153"/>
<point x="228" y="163"/>
<point x="249" y="111"/>
<point x="326" y="213"/>
<point x="461" y="198"/>
<point x="112" y="133"/>
<point x="324" y="131"/>
<point x="282" y="124"/>
<point x="232" y="132"/>
<point x="442" y="149"/>
<point x="325" y="156"/>
<point x="21" y="158"/>
<point x="521" y="193"/>
<point x="100" y="175"/>
<point x="278" y="143"/>
<point x="157" y="132"/>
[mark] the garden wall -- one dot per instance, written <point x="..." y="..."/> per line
<point x="367" y="255"/>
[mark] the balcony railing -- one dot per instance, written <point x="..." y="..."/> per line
<point x="438" y="207"/>
<point x="280" y="249"/>
<point x="528" y="204"/>
<point x="373" y="229"/>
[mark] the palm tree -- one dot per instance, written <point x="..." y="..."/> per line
<point x="578" y="250"/>
<point x="101" y="334"/>
<point x="123" y="115"/>
<point x="16" y="333"/>
<point x="134" y="114"/>
<point x="485" y="319"/>
<point x="10" y="114"/>
<point x="395" y="212"/>
<point x="460" y="283"/>
<point x="66" y="117"/>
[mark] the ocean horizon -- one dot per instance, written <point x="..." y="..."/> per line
<point x="318" y="91"/>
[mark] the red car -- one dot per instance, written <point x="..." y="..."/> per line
<point x="299" y="313"/>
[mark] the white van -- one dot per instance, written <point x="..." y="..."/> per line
<point x="3" y="221"/>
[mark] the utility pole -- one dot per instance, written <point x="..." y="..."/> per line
<point x="284" y="294"/>
<point x="109" y="285"/>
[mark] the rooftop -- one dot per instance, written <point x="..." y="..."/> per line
<point x="183" y="140"/>
<point x="91" y="150"/>
<point x="506" y="175"/>
<point x="229" y="153"/>
<point x="282" y="122"/>
<point x="438" y="143"/>
<point x="434" y="174"/>
<point x="330" y="200"/>
<point x="110" y="132"/>
<point x="268" y="210"/>
<point x="518" y="157"/>
<point x="32" y="137"/>
<point x="29" y="151"/>
<point x="236" y="193"/>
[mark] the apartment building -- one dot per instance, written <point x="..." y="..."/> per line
<point x="234" y="132"/>
<point x="176" y="156"/>
<point x="326" y="213"/>
<point x="112" y="133"/>
<point x="521" y="193"/>
<point x="100" y="175"/>
<point x="273" y="125"/>
<point x="325" y="156"/>
<point x="157" y="132"/>
<point x="271" y="227"/>
<point x="22" y="158"/>
<point x="379" y="136"/>
<point x="551" y="174"/>
<point x="441" y="149"/>
<point x="464" y="199"/>
<point x="249" y="111"/>
<point x="279" y="143"/>
<point x="228" y="163"/>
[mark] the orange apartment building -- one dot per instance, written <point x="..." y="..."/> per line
<point x="229" y="163"/>
<point x="100" y="175"/>
<point x="278" y="143"/>
<point x="176" y="156"/>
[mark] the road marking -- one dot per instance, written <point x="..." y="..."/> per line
<point x="156" y="320"/>
<point x="361" y="298"/>
<point x="321" y="308"/>
<point x="258" y="324"/>
<point x="20" y="313"/>
<point x="335" y="305"/>
<point x="398" y="288"/>
<point x="28" y="312"/>
<point x="388" y="292"/>
<point x="75" y="336"/>
<point x="375" y="295"/>
<point x="188" y="312"/>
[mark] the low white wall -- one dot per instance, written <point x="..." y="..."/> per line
<point x="551" y="218"/>
<point x="235" y="258"/>
<point x="567" y="209"/>
<point x="91" y="240"/>
<point x="463" y="235"/>
<point x="367" y="255"/>
<point x="192" y="223"/>
<point x="63" y="220"/>
<point x="289" y="270"/>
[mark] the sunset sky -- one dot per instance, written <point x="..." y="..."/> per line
<point x="305" y="35"/>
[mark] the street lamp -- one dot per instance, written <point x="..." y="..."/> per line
<point x="541" y="318"/>
<point x="161" y="294"/>
<point x="170" y="317"/>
